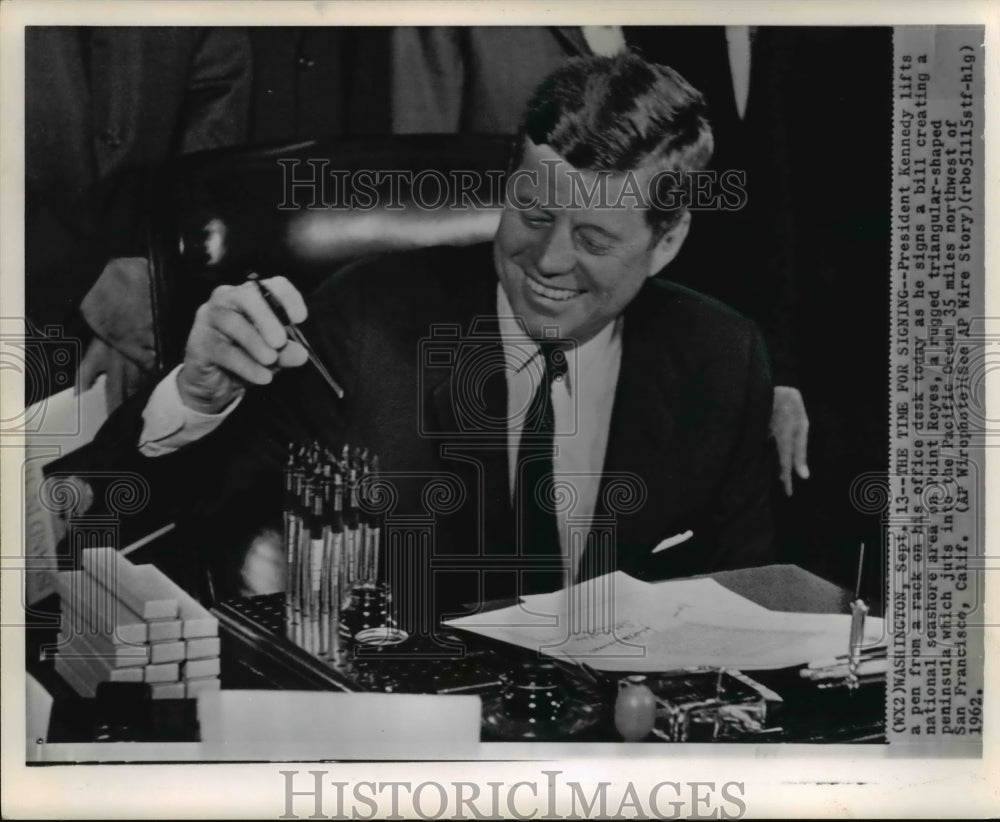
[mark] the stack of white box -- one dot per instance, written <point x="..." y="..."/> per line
<point x="130" y="623"/>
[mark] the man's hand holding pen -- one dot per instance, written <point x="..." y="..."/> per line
<point x="238" y="340"/>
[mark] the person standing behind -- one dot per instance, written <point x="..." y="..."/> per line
<point x="104" y="107"/>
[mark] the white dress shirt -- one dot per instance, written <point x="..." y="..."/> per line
<point x="738" y="40"/>
<point x="604" y="40"/>
<point x="168" y="424"/>
<point x="581" y="403"/>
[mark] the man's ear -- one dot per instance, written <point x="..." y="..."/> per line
<point x="669" y="244"/>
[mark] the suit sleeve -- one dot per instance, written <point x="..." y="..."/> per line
<point x="744" y="524"/>
<point x="212" y="475"/>
<point x="217" y="102"/>
<point x="428" y="71"/>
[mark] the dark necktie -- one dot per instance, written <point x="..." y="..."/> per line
<point x="533" y="495"/>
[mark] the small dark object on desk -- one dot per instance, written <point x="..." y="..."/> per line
<point x="123" y="712"/>
<point x="538" y="700"/>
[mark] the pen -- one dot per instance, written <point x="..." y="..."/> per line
<point x="474" y="687"/>
<point x="859" y="610"/>
<point x="294" y="333"/>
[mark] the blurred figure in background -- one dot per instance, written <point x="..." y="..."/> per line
<point x="104" y="108"/>
<point x="319" y="81"/>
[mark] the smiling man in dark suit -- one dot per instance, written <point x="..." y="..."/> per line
<point x="579" y="411"/>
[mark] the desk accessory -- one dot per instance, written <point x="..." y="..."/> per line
<point x="712" y="705"/>
<point x="861" y="665"/>
<point x="476" y="665"/>
<point x="635" y="708"/>
<point x="333" y="540"/>
<point x="126" y="624"/>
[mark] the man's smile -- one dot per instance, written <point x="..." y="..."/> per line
<point x="551" y="292"/>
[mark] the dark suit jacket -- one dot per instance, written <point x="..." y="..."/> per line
<point x="319" y="81"/>
<point x="102" y="107"/>
<point x="413" y="339"/>
<point x="472" y="79"/>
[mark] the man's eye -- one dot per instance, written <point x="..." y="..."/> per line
<point x="592" y="246"/>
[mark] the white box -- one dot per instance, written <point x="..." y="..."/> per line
<point x="198" y="668"/>
<point x="152" y="596"/>
<point x="203" y="647"/>
<point x="167" y="672"/>
<point x="88" y="604"/>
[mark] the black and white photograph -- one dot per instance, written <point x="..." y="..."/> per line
<point x="432" y="415"/>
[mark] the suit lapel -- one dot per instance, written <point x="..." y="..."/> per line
<point x="642" y="438"/>
<point x="468" y="400"/>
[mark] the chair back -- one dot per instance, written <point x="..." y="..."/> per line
<point x="304" y="209"/>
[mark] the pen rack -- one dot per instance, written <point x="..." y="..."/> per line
<point x="333" y="543"/>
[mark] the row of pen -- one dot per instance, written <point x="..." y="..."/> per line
<point x="332" y="541"/>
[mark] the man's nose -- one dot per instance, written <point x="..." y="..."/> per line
<point x="556" y="254"/>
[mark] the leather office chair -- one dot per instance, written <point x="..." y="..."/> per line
<point x="221" y="214"/>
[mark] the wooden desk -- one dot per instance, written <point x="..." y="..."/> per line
<point x="260" y="657"/>
<point x="255" y="655"/>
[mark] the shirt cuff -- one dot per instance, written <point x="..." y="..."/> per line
<point x="168" y="424"/>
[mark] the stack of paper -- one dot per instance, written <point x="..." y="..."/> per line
<point x="52" y="428"/>
<point x="618" y="623"/>
<point x="130" y="623"/>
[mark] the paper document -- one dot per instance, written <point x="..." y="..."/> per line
<point x="618" y="623"/>
<point x="53" y="428"/>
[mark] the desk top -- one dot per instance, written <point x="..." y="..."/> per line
<point x="258" y="656"/>
<point x="786" y="588"/>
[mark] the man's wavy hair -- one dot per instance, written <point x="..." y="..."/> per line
<point x="620" y="114"/>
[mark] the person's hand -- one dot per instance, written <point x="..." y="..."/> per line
<point x="264" y="570"/>
<point x="790" y="428"/>
<point x="124" y="376"/>
<point x="236" y="341"/>
<point x="74" y="498"/>
<point x="118" y="310"/>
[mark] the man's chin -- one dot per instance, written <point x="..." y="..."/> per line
<point x="540" y="320"/>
